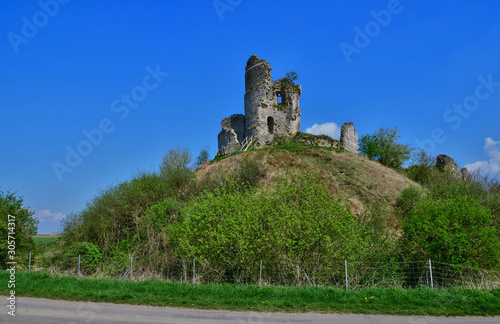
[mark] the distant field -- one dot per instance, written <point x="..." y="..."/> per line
<point x="45" y="238"/>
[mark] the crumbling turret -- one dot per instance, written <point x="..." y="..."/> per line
<point x="270" y="108"/>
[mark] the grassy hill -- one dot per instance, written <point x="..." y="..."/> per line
<point x="363" y="184"/>
<point x="292" y="205"/>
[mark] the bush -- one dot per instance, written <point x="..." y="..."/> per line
<point x="175" y="169"/>
<point x="115" y="212"/>
<point x="25" y="227"/>
<point x="249" y="172"/>
<point x="152" y="240"/>
<point x="456" y="230"/>
<point x="90" y="257"/>
<point x="422" y="168"/>
<point x="296" y="223"/>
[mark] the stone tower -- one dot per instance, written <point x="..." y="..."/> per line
<point x="258" y="81"/>
<point x="270" y="108"/>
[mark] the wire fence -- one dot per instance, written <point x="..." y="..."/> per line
<point x="345" y="274"/>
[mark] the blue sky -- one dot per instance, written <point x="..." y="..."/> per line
<point x="124" y="82"/>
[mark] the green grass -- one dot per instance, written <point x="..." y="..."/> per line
<point x="424" y="301"/>
<point x="293" y="144"/>
<point x="45" y="238"/>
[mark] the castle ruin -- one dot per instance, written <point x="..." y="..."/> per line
<point x="349" y="137"/>
<point x="270" y="108"/>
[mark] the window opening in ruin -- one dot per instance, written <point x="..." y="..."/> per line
<point x="280" y="99"/>
<point x="270" y="124"/>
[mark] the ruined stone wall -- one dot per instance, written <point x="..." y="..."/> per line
<point x="349" y="137"/>
<point x="445" y="163"/>
<point x="231" y="135"/>
<point x="287" y="113"/>
<point x="270" y="108"/>
<point x="228" y="142"/>
<point x="235" y="122"/>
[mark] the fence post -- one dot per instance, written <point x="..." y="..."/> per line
<point x="430" y="268"/>
<point x="260" y="274"/>
<point x="78" y="266"/>
<point x="131" y="264"/>
<point x="346" y="280"/>
<point x="194" y="271"/>
<point x="29" y="264"/>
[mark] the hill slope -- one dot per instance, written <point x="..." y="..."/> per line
<point x="363" y="184"/>
<point x="242" y="208"/>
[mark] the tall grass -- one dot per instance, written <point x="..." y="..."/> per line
<point x="422" y="301"/>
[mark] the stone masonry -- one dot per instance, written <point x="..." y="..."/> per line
<point x="270" y="108"/>
<point x="444" y="163"/>
<point x="232" y="134"/>
<point x="349" y="137"/>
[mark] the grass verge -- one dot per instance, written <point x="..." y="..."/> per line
<point x="424" y="301"/>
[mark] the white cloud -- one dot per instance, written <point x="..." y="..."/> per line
<point x="330" y="129"/>
<point x="47" y="215"/>
<point x="491" y="167"/>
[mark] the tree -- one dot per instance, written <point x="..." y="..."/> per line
<point x="292" y="75"/>
<point x="383" y="147"/>
<point x="176" y="167"/>
<point x="25" y="226"/>
<point x="369" y="145"/>
<point x="203" y="157"/>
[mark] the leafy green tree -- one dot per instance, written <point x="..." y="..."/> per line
<point x="292" y="75"/>
<point x="383" y="146"/>
<point x="25" y="227"/>
<point x="370" y="146"/>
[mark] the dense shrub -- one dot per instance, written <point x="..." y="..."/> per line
<point x="176" y="170"/>
<point x="422" y="168"/>
<point x="90" y="257"/>
<point x="152" y="240"/>
<point x="114" y="213"/>
<point x="296" y="221"/>
<point x="456" y="230"/>
<point x="25" y="227"/>
<point x="227" y="221"/>
<point x="445" y="185"/>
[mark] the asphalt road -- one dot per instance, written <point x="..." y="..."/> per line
<point x="35" y="310"/>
